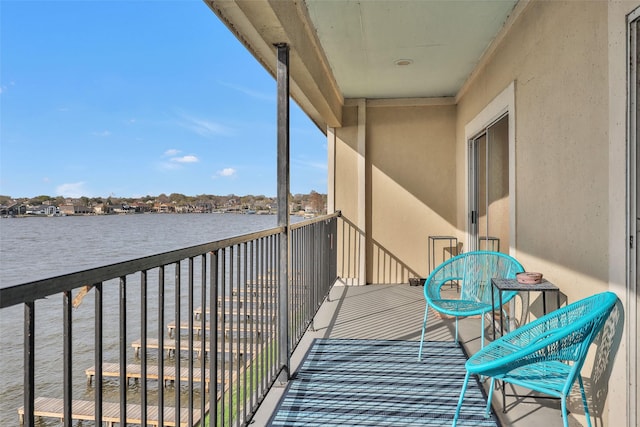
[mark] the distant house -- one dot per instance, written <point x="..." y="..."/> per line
<point x="75" y="210"/>
<point x="141" y="207"/>
<point x="42" y="210"/>
<point x="163" y="208"/>
<point x="14" y="209"/>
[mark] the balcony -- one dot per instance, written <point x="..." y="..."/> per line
<point x="394" y="312"/>
<point x="160" y="300"/>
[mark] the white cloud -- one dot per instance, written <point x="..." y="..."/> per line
<point x="204" y="127"/>
<point x="250" y="92"/>
<point x="226" y="172"/>
<point x="171" y="152"/>
<point x="75" y="189"/>
<point x="185" y="159"/>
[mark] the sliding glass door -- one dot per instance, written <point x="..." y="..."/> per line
<point x="489" y="187"/>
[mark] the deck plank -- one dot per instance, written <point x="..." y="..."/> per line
<point x="47" y="407"/>
<point x="134" y="371"/>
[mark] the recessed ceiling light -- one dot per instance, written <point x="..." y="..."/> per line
<point x="403" y="62"/>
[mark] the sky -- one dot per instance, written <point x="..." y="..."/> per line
<point x="131" y="98"/>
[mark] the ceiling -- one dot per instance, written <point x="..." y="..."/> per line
<point x="341" y="49"/>
<point x="442" y="41"/>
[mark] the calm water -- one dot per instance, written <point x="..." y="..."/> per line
<point x="37" y="248"/>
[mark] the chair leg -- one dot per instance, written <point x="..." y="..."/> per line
<point x="487" y="411"/>
<point x="584" y="400"/>
<point x="464" y="388"/>
<point x="563" y="405"/>
<point x="482" y="332"/>
<point x="456" y="329"/>
<point x="424" y="329"/>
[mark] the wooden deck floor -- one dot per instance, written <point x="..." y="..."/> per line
<point x="169" y="347"/>
<point x="395" y="312"/>
<point x="85" y="410"/>
<point x="134" y="371"/>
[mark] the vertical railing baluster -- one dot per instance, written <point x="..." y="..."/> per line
<point x="190" y="349"/>
<point x="143" y="348"/>
<point x="238" y="356"/>
<point x="123" y="350"/>
<point x="259" y="312"/>
<point x="244" y="329"/>
<point x="280" y="288"/>
<point x="98" y="351"/>
<point x="214" y="412"/>
<point x="220" y="331"/>
<point x="263" y="314"/>
<point x="251" y="325"/>
<point x="161" y="344"/>
<point x="203" y="341"/>
<point x="294" y="279"/>
<point x="232" y="250"/>
<point x="67" y="357"/>
<point x="177" y="286"/>
<point x="29" y="362"/>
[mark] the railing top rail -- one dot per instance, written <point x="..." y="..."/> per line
<point x="314" y="220"/>
<point x="38" y="289"/>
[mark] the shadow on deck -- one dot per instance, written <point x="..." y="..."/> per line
<point x="395" y="312"/>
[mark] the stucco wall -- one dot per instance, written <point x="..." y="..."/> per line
<point x="568" y="63"/>
<point x="411" y="187"/>
<point x="410" y="184"/>
<point x="557" y="55"/>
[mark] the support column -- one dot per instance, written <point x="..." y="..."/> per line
<point x="362" y="191"/>
<point x="283" y="207"/>
<point x="331" y="173"/>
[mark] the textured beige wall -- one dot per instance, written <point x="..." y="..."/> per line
<point x="411" y="183"/>
<point x="557" y="55"/>
<point x="350" y="234"/>
<point x="569" y="70"/>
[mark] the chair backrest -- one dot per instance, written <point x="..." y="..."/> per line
<point x="562" y="335"/>
<point x="566" y="334"/>
<point x="473" y="271"/>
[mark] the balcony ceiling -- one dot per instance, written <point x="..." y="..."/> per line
<point x="443" y="40"/>
<point x="342" y="49"/>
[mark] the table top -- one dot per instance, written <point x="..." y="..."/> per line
<point x="513" y="285"/>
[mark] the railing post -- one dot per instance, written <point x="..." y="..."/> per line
<point x="29" y="362"/>
<point x="283" y="207"/>
<point x="67" y="356"/>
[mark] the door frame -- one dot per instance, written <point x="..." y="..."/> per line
<point x="503" y="103"/>
<point x="633" y="211"/>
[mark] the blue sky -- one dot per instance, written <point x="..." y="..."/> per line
<point x="133" y="98"/>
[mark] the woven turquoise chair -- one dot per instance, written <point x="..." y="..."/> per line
<point x="473" y="271"/>
<point x="545" y="355"/>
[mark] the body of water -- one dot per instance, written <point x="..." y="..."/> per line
<point x="38" y="248"/>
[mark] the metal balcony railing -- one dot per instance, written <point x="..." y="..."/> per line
<point x="207" y="318"/>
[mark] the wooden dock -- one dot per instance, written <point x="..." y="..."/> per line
<point x="170" y="347"/>
<point x="84" y="410"/>
<point x="197" y="329"/>
<point x="112" y="370"/>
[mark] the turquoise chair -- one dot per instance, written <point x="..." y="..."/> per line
<point x="473" y="272"/>
<point x="545" y="355"/>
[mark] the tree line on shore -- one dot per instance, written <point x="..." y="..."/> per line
<point x="297" y="202"/>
